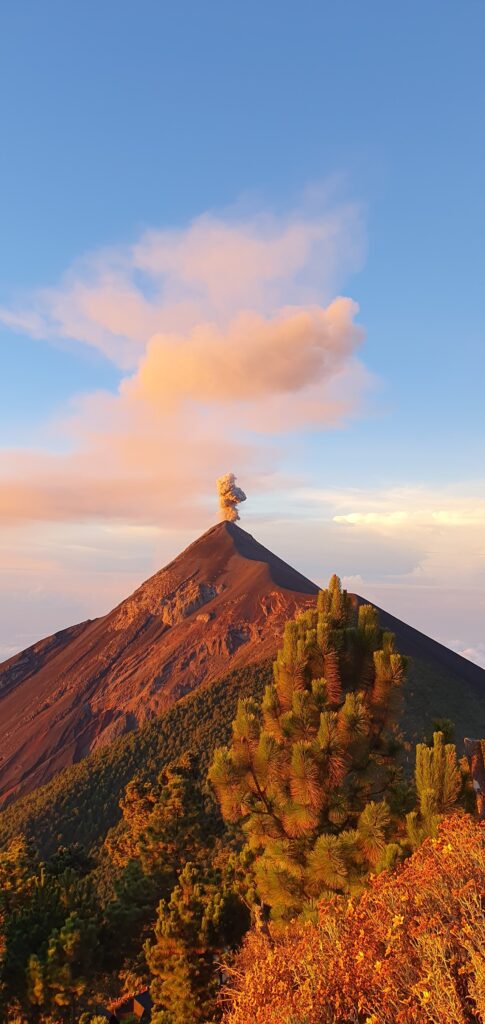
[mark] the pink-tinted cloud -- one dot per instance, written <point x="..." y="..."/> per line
<point x="172" y="280"/>
<point x="234" y="263"/>
<point x="227" y="340"/>
<point x="252" y="358"/>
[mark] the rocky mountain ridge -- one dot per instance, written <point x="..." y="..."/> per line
<point x="221" y="603"/>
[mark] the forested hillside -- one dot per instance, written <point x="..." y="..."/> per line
<point x="81" y="803"/>
<point x="220" y="604"/>
<point x="259" y="803"/>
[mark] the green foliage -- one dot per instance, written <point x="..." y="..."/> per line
<point x="139" y="880"/>
<point x="200" y="920"/>
<point x="59" y="978"/>
<point x="164" y="826"/>
<point x="162" y="820"/>
<point x="305" y="764"/>
<point x="92" y="1018"/>
<point x="438" y="785"/>
<point x="48" y="926"/>
<point x="438" y="691"/>
<point x="445" y="726"/>
<point x="82" y="802"/>
<point x="165" y="818"/>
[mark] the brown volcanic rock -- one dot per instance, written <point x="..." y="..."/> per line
<point x="220" y="604"/>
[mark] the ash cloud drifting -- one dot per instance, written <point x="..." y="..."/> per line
<point x="230" y="496"/>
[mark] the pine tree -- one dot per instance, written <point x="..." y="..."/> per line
<point x="61" y="976"/>
<point x="438" y="784"/>
<point x="161" y="830"/>
<point x="304" y="767"/>
<point x="29" y="909"/>
<point x="36" y="988"/>
<point x="17" y="876"/>
<point x="201" y="918"/>
<point x="161" y="821"/>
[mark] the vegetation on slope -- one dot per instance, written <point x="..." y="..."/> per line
<point x="310" y="766"/>
<point x="409" y="951"/>
<point x="434" y="691"/>
<point x="81" y="803"/>
<point x="164" y="889"/>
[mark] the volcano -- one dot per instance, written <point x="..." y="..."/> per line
<point x="221" y="604"/>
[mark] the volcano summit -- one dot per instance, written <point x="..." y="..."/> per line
<point x="221" y="604"/>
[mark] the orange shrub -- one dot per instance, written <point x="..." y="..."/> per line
<point x="410" y="951"/>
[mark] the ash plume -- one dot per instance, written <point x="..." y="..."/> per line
<point x="230" y="495"/>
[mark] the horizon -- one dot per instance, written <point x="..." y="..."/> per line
<point x="232" y="247"/>
<point x="321" y="585"/>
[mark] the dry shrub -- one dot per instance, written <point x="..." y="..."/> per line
<point x="410" y="951"/>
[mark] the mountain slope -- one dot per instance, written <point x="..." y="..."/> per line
<point x="440" y="684"/>
<point x="218" y="605"/>
<point x="81" y="803"/>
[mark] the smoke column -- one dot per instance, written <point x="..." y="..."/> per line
<point x="229" y="497"/>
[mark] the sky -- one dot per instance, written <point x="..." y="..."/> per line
<point x="242" y="238"/>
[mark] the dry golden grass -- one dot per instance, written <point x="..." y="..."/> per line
<point x="410" y="951"/>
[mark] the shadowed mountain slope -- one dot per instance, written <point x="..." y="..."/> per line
<point x="219" y="605"/>
<point x="440" y="684"/>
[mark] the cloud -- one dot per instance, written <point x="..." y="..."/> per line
<point x="412" y="537"/>
<point x="418" y="552"/>
<point x="404" y="536"/>
<point x="228" y="336"/>
<point x="254" y="357"/>
<point x="428" y="571"/>
<point x="476" y="654"/>
<point x="55" y="574"/>
<point x="143" y="470"/>
<point x="429" y="517"/>
<point x="8" y="650"/>
<point x="352" y="583"/>
<point x="445" y="527"/>
<point x="373" y="518"/>
<point x="168" y="281"/>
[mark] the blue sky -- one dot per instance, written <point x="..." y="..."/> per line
<point x="119" y="119"/>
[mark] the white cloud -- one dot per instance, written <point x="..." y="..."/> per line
<point x="417" y="551"/>
<point x="396" y="518"/>
<point x="475" y="653"/>
<point x="8" y="650"/>
<point x="418" y="517"/>
<point x="353" y="583"/>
